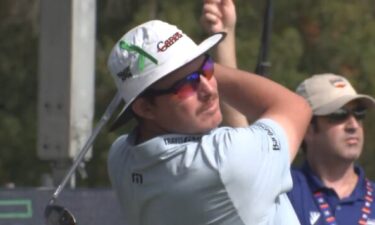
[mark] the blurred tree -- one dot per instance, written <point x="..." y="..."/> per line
<point x="18" y="86"/>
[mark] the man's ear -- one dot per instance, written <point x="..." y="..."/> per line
<point x="143" y="108"/>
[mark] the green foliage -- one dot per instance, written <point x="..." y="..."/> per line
<point x="308" y="37"/>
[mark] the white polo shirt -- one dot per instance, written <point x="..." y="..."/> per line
<point x="231" y="176"/>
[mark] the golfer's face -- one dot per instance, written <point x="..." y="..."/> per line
<point x="189" y="103"/>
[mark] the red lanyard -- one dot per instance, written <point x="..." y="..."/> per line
<point x="330" y="218"/>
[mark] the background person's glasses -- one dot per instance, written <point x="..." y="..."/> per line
<point x="343" y="114"/>
<point x="188" y="85"/>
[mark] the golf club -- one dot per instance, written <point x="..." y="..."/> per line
<point x="58" y="215"/>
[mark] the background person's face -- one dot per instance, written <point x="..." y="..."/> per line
<point x="337" y="141"/>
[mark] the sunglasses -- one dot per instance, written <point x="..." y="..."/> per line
<point x="343" y="114"/>
<point x="189" y="84"/>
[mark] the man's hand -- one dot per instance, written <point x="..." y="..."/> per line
<point x="218" y="16"/>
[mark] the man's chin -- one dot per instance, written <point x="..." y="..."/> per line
<point x="214" y="123"/>
<point x="353" y="156"/>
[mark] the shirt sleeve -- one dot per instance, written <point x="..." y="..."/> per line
<point x="254" y="162"/>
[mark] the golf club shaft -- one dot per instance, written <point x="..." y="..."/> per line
<point x="106" y="116"/>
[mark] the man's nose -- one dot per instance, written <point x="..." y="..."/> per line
<point x="352" y="123"/>
<point x="205" y="87"/>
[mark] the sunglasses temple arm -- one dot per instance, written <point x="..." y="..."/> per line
<point x="103" y="120"/>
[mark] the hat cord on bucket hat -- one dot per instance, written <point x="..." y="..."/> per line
<point x="143" y="54"/>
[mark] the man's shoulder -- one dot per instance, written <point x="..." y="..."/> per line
<point x="300" y="180"/>
<point x="264" y="133"/>
<point x="117" y="145"/>
<point x="298" y="173"/>
<point x="301" y="191"/>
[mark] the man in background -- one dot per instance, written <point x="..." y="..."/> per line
<point x="330" y="187"/>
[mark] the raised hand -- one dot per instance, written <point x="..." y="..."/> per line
<point x="218" y="16"/>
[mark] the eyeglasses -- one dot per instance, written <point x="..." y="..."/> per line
<point x="343" y="114"/>
<point x="189" y="84"/>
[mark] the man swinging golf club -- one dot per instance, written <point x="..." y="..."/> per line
<point x="177" y="166"/>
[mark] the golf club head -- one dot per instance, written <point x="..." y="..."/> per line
<point x="58" y="215"/>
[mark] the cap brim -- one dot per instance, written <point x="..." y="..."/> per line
<point x="126" y="113"/>
<point x="331" y="107"/>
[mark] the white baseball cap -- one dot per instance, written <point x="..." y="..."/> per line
<point x="148" y="53"/>
<point x="328" y="92"/>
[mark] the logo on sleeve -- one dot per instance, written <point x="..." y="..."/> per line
<point x="271" y="134"/>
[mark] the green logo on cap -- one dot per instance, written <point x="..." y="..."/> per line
<point x="140" y="51"/>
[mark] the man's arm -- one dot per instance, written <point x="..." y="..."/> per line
<point x="257" y="97"/>
<point x="220" y="16"/>
<point x="252" y="95"/>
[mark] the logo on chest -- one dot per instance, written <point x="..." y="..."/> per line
<point x="137" y="178"/>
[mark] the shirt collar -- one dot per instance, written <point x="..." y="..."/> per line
<point x="317" y="185"/>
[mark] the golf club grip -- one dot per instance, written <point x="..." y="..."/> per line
<point x="103" y="120"/>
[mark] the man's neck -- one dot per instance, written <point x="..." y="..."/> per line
<point x="340" y="177"/>
<point x="146" y="132"/>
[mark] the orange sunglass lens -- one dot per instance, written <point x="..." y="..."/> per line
<point x="208" y="69"/>
<point x="190" y="86"/>
<point x="187" y="90"/>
